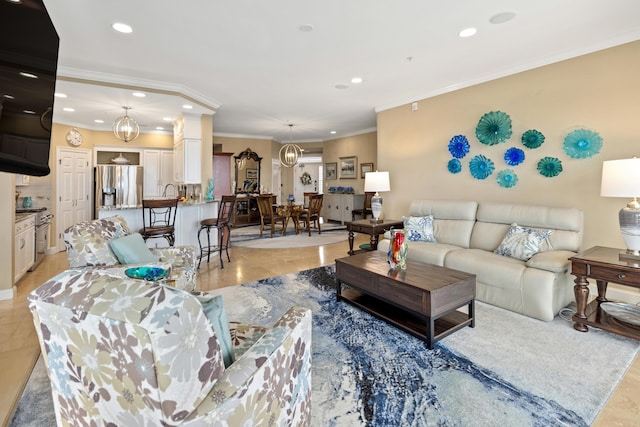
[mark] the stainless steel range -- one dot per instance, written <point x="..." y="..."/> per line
<point x="43" y="222"/>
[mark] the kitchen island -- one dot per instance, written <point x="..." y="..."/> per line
<point x="188" y="219"/>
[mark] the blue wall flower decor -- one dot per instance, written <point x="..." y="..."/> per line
<point x="454" y="166"/>
<point x="507" y="178"/>
<point x="459" y="146"/>
<point x="494" y="128"/>
<point x="514" y="156"/>
<point x="582" y="144"/>
<point x="481" y="167"/>
<point x="549" y="167"/>
<point x="532" y="139"/>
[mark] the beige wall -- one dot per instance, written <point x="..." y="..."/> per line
<point x="599" y="91"/>
<point x="363" y="146"/>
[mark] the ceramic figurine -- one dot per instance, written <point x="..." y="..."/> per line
<point x="209" y="196"/>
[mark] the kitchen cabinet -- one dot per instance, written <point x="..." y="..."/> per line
<point x="24" y="246"/>
<point x="338" y="207"/>
<point x="158" y="172"/>
<point x="74" y="188"/>
<point x="186" y="161"/>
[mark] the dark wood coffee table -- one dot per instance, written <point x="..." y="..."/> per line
<point x="422" y="300"/>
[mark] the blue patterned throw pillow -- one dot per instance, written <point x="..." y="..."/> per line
<point x="419" y="228"/>
<point x="522" y="242"/>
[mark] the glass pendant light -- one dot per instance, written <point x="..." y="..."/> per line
<point x="125" y="128"/>
<point x="290" y="153"/>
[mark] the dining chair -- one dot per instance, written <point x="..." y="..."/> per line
<point x="312" y="213"/>
<point x="158" y="219"/>
<point x="222" y="224"/>
<point x="268" y="215"/>
<point x="306" y="195"/>
<point x="366" y="208"/>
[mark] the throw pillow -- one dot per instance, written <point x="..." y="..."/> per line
<point x="419" y="228"/>
<point x="214" y="310"/>
<point x="131" y="249"/>
<point x="522" y="242"/>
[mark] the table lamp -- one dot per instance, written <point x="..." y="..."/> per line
<point x="621" y="178"/>
<point x="376" y="181"/>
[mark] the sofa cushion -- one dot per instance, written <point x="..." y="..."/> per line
<point x="131" y="249"/>
<point x="419" y="228"/>
<point x="87" y="242"/>
<point x="453" y="220"/>
<point x="522" y="242"/>
<point x="214" y="310"/>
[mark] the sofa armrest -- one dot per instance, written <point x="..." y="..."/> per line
<point x="271" y="381"/>
<point x="178" y="256"/>
<point x="554" y="261"/>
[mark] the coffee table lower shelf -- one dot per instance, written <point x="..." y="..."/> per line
<point x="417" y="326"/>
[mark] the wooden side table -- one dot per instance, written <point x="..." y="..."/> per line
<point x="374" y="230"/>
<point x="603" y="265"/>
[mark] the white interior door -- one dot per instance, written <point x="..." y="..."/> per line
<point x="73" y="187"/>
<point x="276" y="181"/>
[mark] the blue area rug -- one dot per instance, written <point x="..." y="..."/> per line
<point x="509" y="370"/>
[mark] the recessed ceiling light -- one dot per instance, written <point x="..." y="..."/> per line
<point x="333" y="132"/>
<point x="187" y="106"/>
<point x="30" y="75"/>
<point x="159" y="128"/>
<point x="29" y="111"/>
<point x="356" y="80"/>
<point x="9" y="96"/>
<point x="503" y="17"/>
<point x="306" y="28"/>
<point x="468" y="32"/>
<point x="138" y="94"/>
<point x="60" y="95"/>
<point x="122" y="28"/>
<point x="69" y="109"/>
<point x="99" y="121"/>
<point x="167" y="119"/>
<point x="341" y="86"/>
<point x="15" y="1"/>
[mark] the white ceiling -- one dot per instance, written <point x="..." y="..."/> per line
<point x="249" y="59"/>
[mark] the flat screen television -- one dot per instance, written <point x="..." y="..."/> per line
<point x="28" y="63"/>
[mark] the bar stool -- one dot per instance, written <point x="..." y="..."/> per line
<point x="158" y="219"/>
<point x="221" y="223"/>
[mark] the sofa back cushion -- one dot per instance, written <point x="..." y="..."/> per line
<point x="87" y="242"/>
<point x="494" y="220"/>
<point x="453" y="220"/>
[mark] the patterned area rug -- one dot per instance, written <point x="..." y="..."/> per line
<point x="249" y="237"/>
<point x="509" y="370"/>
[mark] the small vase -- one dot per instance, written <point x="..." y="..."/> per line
<point x="397" y="255"/>
<point x="27" y="202"/>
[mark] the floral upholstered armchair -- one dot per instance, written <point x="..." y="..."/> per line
<point x="125" y="352"/>
<point x="88" y="245"/>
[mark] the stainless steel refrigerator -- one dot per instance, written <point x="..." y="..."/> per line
<point x="117" y="186"/>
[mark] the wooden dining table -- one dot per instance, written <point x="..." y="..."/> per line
<point x="291" y="212"/>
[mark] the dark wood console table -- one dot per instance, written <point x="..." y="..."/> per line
<point x="372" y="229"/>
<point x="603" y="265"/>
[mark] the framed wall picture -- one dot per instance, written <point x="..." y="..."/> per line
<point x="331" y="170"/>
<point x="364" y="168"/>
<point x="252" y="173"/>
<point x="347" y="167"/>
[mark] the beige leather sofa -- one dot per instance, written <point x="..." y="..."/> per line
<point x="467" y="233"/>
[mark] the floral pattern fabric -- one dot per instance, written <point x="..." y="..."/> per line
<point x="522" y="242"/>
<point x="126" y="352"/>
<point x="87" y="245"/>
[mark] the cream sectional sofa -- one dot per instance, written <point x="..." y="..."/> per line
<point x="467" y="233"/>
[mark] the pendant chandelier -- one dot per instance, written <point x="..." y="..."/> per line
<point x="125" y="128"/>
<point x="290" y="153"/>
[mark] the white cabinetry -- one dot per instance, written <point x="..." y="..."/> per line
<point x="187" y="149"/>
<point x="158" y="171"/>
<point x="338" y="207"/>
<point x="24" y="246"/>
<point x="73" y="177"/>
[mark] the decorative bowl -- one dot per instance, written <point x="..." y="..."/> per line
<point x="151" y="274"/>
<point x="627" y="313"/>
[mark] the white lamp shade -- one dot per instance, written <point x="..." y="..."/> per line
<point x="376" y="182"/>
<point x="620" y="178"/>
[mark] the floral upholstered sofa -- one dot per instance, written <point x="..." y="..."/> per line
<point x="88" y="246"/>
<point x="126" y="352"/>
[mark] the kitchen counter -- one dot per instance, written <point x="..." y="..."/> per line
<point x="23" y="216"/>
<point x="188" y="219"/>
